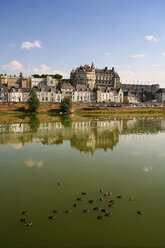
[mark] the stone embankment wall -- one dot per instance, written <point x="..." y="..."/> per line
<point x="139" y="87"/>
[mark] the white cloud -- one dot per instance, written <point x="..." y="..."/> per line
<point x="28" y="45"/>
<point x="137" y="56"/>
<point x="156" y="65"/>
<point x="17" y="146"/>
<point x="147" y="169"/>
<point x="107" y="54"/>
<point x="161" y="154"/>
<point x="136" y="153"/>
<point x="32" y="163"/>
<point x="64" y="74"/>
<point x="163" y="54"/>
<point x="13" y="66"/>
<point x="151" y="38"/>
<point x="152" y="76"/>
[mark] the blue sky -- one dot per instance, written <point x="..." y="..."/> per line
<point x="51" y="36"/>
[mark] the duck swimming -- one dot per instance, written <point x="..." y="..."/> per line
<point x="83" y="193"/>
<point x="105" y="194"/>
<point x="25" y="212"/>
<point x="139" y="212"/>
<point x="99" y="217"/>
<point x="109" y="193"/>
<point x="79" y="199"/>
<point x="59" y="183"/>
<point x="91" y="201"/>
<point x="119" y="197"/>
<point x="23" y="220"/>
<point x="96" y="208"/>
<point x="56" y="211"/>
<point x="103" y="210"/>
<point x="108" y="214"/>
<point x="28" y="224"/>
<point x="52" y="217"/>
<point x="101" y="198"/>
<point x="68" y="211"/>
<point x="75" y="205"/>
<point x="131" y="198"/>
<point x="111" y="201"/>
<point x="101" y="190"/>
<point x="86" y="211"/>
<point x="111" y="205"/>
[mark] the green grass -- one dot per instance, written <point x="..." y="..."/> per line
<point x="118" y="112"/>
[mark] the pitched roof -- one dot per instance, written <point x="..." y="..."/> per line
<point x="161" y="90"/>
<point x="3" y="88"/>
<point x="67" y="86"/>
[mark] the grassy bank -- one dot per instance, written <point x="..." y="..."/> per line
<point x="125" y="111"/>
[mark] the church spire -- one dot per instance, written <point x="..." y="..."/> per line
<point x="92" y="66"/>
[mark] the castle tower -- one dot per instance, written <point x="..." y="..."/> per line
<point x="92" y="66"/>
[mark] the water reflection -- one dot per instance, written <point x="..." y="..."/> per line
<point x="66" y="121"/>
<point x="34" y="123"/>
<point x="33" y="163"/>
<point x="86" y="135"/>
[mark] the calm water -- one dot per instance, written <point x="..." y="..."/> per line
<point x="124" y="156"/>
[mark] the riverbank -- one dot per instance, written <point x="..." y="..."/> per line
<point x="53" y="109"/>
<point x="122" y="111"/>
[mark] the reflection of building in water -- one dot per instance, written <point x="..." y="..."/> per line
<point x="86" y="136"/>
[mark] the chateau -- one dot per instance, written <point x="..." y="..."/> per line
<point x="86" y="84"/>
<point x="93" y="78"/>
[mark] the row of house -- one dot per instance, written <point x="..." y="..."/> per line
<point x="79" y="94"/>
<point x="86" y="84"/>
<point x="53" y="94"/>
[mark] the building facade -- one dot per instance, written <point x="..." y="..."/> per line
<point x="48" y="80"/>
<point x="3" y="93"/>
<point x="81" y="95"/>
<point x="14" y="81"/>
<point x="92" y="78"/>
<point x="109" y="95"/>
<point x="15" y="95"/>
<point x="160" y="95"/>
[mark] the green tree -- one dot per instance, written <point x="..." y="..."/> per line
<point x="21" y="74"/>
<point x="33" y="102"/>
<point x="66" y="104"/>
<point x="36" y="76"/>
<point x="57" y="76"/>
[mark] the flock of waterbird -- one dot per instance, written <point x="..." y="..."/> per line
<point x="105" y="212"/>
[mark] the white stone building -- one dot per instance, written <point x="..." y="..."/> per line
<point x="48" y="94"/>
<point x="3" y="93"/>
<point x="160" y="95"/>
<point x="15" y="95"/>
<point x="133" y="98"/>
<point x="81" y="95"/>
<point x="47" y="81"/>
<point x="110" y="95"/>
<point x="66" y="90"/>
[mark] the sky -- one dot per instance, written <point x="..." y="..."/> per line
<point x="55" y="36"/>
